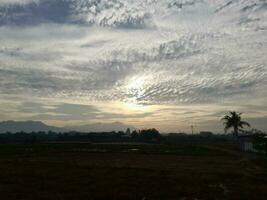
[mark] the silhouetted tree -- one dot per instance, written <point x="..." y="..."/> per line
<point x="134" y="134"/>
<point x="128" y="131"/>
<point x="150" y="134"/>
<point x="233" y="120"/>
<point x="120" y="133"/>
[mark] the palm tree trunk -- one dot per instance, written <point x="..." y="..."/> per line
<point x="235" y="132"/>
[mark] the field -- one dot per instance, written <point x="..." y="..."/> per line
<point x="130" y="171"/>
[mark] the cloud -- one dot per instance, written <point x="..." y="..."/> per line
<point x="105" y="13"/>
<point x="34" y="12"/>
<point x="142" y="52"/>
<point x="11" y="2"/>
<point x="193" y="68"/>
<point x="72" y="112"/>
<point x="115" y="13"/>
<point x="131" y="14"/>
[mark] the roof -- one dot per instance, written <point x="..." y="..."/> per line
<point x="246" y="137"/>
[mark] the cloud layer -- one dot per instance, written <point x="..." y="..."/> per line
<point x="149" y="52"/>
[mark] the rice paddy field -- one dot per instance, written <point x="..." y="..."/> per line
<point x="131" y="171"/>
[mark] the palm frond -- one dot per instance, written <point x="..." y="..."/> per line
<point x="241" y="123"/>
<point x="233" y="120"/>
<point x="226" y="117"/>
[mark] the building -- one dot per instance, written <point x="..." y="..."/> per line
<point x="246" y="143"/>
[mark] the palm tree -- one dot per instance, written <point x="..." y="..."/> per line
<point x="233" y="120"/>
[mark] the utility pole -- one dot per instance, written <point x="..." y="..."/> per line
<point x="192" y="129"/>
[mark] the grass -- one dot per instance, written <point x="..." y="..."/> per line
<point x="130" y="171"/>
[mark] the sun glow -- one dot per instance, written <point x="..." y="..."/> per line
<point x="136" y="87"/>
<point x="134" y="107"/>
<point x="125" y="108"/>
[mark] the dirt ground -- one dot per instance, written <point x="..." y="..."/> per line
<point x="93" y="172"/>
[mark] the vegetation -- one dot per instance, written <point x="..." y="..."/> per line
<point x="260" y="143"/>
<point x="233" y="120"/>
<point x="145" y="136"/>
<point x="152" y="135"/>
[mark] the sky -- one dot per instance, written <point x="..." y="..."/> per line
<point x="167" y="64"/>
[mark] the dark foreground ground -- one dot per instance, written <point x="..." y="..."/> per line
<point x="141" y="171"/>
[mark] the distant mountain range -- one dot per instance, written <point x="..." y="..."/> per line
<point x="30" y="126"/>
<point x="26" y="126"/>
<point x="101" y="127"/>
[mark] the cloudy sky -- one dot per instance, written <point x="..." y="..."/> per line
<point x="167" y="64"/>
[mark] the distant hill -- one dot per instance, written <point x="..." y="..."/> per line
<point x="30" y="126"/>
<point x="27" y="126"/>
<point x="101" y="127"/>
